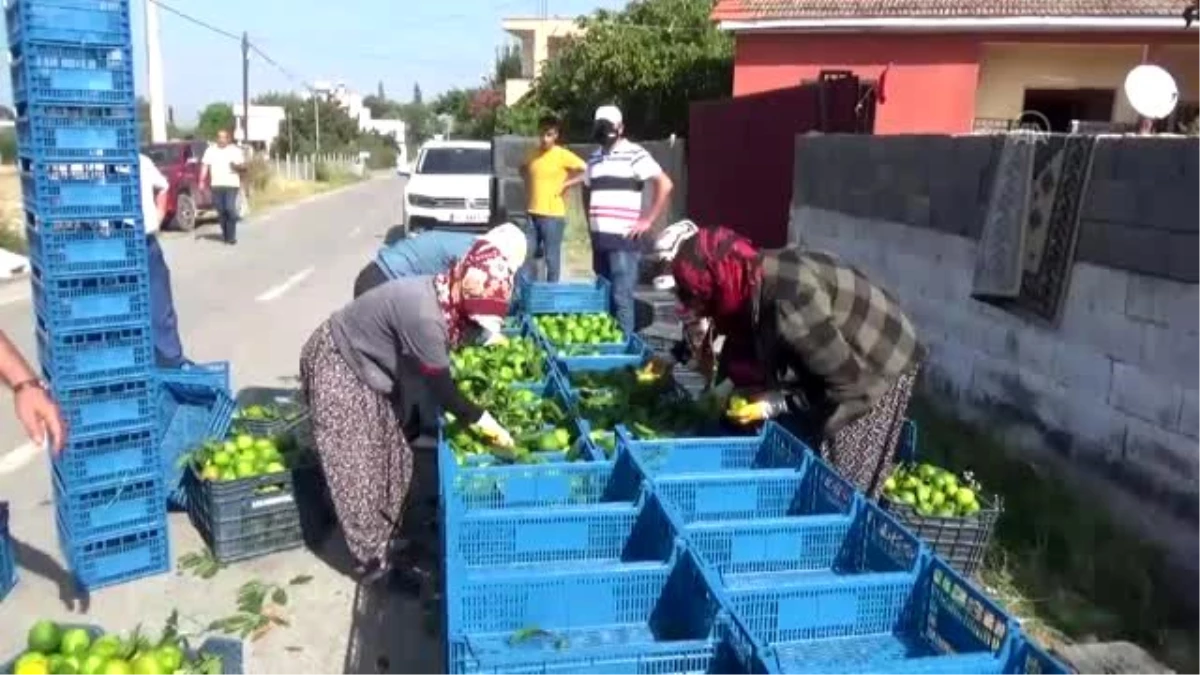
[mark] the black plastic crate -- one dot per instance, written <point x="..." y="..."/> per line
<point x="961" y="541"/>
<point x="251" y="517"/>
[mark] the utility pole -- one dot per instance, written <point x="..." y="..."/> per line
<point x="246" y="88"/>
<point x="317" y="118"/>
<point x="154" y="75"/>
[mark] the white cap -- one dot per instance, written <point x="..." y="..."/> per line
<point x="608" y="113"/>
<point x="666" y="244"/>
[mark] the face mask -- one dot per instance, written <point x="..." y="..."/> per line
<point x="604" y="133"/>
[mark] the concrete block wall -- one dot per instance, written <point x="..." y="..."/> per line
<point x="1111" y="389"/>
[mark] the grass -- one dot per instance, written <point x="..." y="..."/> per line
<point x="12" y="231"/>
<point x="279" y="191"/>
<point x="1057" y="560"/>
<point x="577" y="245"/>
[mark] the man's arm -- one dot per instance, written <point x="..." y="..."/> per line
<point x="205" y="162"/>
<point x="158" y="183"/>
<point x="663" y="187"/>
<point x="34" y="407"/>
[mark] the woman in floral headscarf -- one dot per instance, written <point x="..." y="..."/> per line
<point x="353" y="371"/>
<point x="837" y="353"/>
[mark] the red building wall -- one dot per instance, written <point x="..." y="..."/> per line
<point x="930" y="87"/>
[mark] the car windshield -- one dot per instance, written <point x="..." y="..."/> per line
<point x="163" y="154"/>
<point x="459" y="161"/>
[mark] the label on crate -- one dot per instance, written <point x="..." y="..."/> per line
<point x="271" y="501"/>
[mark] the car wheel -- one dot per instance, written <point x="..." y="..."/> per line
<point x="185" y="213"/>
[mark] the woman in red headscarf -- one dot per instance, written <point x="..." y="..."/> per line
<point x="355" y="369"/>
<point x="836" y="353"/>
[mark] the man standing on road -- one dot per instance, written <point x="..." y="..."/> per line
<point x="549" y="172"/>
<point x="616" y="174"/>
<point x="164" y="325"/>
<point x="223" y="165"/>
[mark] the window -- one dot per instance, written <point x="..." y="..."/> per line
<point x="456" y="161"/>
<point x="1062" y="106"/>
<point x="165" y="154"/>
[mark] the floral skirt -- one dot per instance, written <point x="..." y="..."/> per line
<point x="365" y="458"/>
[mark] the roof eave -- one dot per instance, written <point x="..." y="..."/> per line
<point x="959" y="24"/>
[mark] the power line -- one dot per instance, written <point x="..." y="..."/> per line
<point x="198" y="22"/>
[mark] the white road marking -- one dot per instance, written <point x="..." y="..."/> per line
<point x="276" y="291"/>
<point x="355" y="232"/>
<point x="18" y="458"/>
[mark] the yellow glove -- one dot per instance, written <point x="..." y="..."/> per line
<point x="490" y="429"/>
<point x="744" y="413"/>
<point x="495" y="339"/>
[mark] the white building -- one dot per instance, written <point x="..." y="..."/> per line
<point x="352" y="103"/>
<point x="540" y="41"/>
<point x="265" y="123"/>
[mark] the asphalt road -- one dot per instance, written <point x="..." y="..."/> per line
<point x="253" y="305"/>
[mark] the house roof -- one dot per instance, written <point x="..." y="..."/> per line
<point x="774" y="10"/>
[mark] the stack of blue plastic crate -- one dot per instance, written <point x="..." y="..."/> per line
<point x="735" y="555"/>
<point x="71" y="63"/>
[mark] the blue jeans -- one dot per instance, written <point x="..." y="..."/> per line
<point x="164" y="325"/>
<point x="620" y="268"/>
<point x="225" y="201"/>
<point x="548" y="230"/>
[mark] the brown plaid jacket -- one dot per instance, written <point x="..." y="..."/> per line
<point x="824" y="319"/>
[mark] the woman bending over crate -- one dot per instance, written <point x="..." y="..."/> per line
<point x="356" y="365"/>
<point x="836" y="356"/>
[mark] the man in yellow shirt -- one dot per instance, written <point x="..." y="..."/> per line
<point x="549" y="172"/>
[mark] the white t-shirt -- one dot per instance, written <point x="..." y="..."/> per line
<point x="220" y="163"/>
<point x="151" y="180"/>
<point x="616" y="179"/>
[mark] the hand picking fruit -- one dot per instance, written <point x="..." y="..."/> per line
<point x="745" y="412"/>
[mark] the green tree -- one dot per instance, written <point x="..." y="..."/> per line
<point x="215" y="117"/>
<point x="507" y="66"/>
<point x="339" y="131"/>
<point x="416" y="95"/>
<point x="379" y="90"/>
<point x="652" y="59"/>
<point x="419" y="123"/>
<point x="282" y="99"/>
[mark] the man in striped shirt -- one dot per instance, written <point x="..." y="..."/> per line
<point x="616" y="175"/>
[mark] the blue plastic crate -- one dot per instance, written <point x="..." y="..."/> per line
<point x="92" y="191"/>
<point x="92" y="512"/>
<point x="1027" y="657"/>
<point x="544" y="297"/>
<point x="8" y="558"/>
<point x="118" y="559"/>
<point x="91" y="22"/>
<point x="931" y="622"/>
<point x="92" y="302"/>
<point x="74" y="133"/>
<point x="772" y="448"/>
<point x="775" y="551"/>
<point x="194" y="405"/>
<point x="87" y="358"/>
<point x="563" y="538"/>
<point x="633" y="354"/>
<point x="630" y="611"/>
<point x="554" y="388"/>
<point x="71" y="74"/>
<point x="66" y="248"/>
<point x="114" y="458"/>
<point x="814" y="489"/>
<point x="721" y="656"/>
<point x="230" y="651"/>
<point x="107" y="409"/>
<point x="629" y="344"/>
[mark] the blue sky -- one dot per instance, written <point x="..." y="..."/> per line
<point x="438" y="43"/>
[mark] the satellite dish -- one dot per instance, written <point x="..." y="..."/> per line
<point x="1151" y="91"/>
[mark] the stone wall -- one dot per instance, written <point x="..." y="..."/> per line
<point x="1112" y="388"/>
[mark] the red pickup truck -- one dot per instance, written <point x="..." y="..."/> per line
<point x="179" y="162"/>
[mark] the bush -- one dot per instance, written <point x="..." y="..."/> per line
<point x="12" y="241"/>
<point x="258" y="173"/>
<point x="322" y="172"/>
<point x="8" y="145"/>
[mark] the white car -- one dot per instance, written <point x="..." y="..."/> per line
<point x="449" y="186"/>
